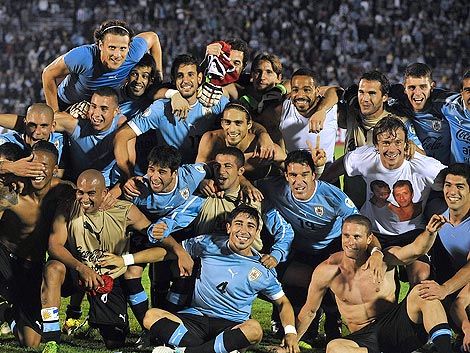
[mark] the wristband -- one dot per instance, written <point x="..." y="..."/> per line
<point x="376" y="249"/>
<point x="170" y="93"/>
<point x="128" y="259"/>
<point x="290" y="329"/>
<point x="319" y="170"/>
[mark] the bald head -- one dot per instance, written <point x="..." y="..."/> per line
<point x="39" y="123"/>
<point x="91" y="190"/>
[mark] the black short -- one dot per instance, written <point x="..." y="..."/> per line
<point x="20" y="285"/>
<point x="201" y="328"/>
<point x="106" y="310"/>
<point x="392" y="333"/>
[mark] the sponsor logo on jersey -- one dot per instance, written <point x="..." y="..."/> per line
<point x="185" y="193"/>
<point x="254" y="274"/>
<point x="463" y="136"/>
<point x="319" y="210"/>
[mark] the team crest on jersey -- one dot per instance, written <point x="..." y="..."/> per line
<point x="254" y="274"/>
<point x="185" y="193"/>
<point x="319" y="210"/>
<point x="147" y="112"/>
<point x="200" y="168"/>
<point x="349" y="202"/>
<point x="437" y="125"/>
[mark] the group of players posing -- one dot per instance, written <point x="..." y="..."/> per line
<point x="113" y="129"/>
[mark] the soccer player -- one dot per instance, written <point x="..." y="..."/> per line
<point x="315" y="210"/>
<point x="232" y="275"/>
<point x="106" y="63"/>
<point x="26" y="218"/>
<point x="390" y="165"/>
<point x="183" y="134"/>
<point x="427" y="105"/>
<point x="236" y="124"/>
<point x="376" y="322"/>
<point x="91" y="139"/>
<point x="452" y="249"/>
<point x="362" y="113"/>
<point x="89" y="233"/>
<point x="299" y="120"/>
<point x="38" y="124"/>
<point x="457" y="112"/>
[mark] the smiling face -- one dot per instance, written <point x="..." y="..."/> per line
<point x="162" y="179"/>
<point x="102" y="111"/>
<point x="301" y="180"/>
<point x="113" y="50"/>
<point x="235" y="125"/>
<point x="418" y="90"/>
<point x="90" y="194"/>
<point x="187" y="81"/>
<point x="391" y="147"/>
<point x="139" y="79"/>
<point x="242" y="231"/>
<point x="355" y="240"/>
<point x="304" y="93"/>
<point x="226" y="172"/>
<point x="371" y="99"/>
<point x="39" y="124"/>
<point x="50" y="162"/>
<point x="456" y="192"/>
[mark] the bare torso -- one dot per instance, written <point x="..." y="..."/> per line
<point x="360" y="300"/>
<point x="25" y="226"/>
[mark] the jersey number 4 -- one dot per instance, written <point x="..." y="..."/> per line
<point x="222" y="286"/>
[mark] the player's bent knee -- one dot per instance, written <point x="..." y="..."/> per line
<point x="252" y="331"/>
<point x="133" y="272"/>
<point x="343" y="345"/>
<point x="54" y="271"/>
<point x="152" y="316"/>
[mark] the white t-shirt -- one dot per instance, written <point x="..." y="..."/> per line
<point x="294" y="128"/>
<point x="420" y="171"/>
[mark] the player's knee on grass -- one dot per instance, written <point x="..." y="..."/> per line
<point x="252" y="331"/>
<point x="344" y="345"/>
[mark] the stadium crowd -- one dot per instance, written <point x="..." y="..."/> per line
<point x="208" y="153"/>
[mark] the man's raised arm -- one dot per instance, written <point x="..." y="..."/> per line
<point x="121" y="153"/>
<point x="53" y="71"/>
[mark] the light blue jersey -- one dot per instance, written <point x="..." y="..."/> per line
<point x="132" y="107"/>
<point x="229" y="282"/>
<point x="56" y="138"/>
<point x="459" y="121"/>
<point x="87" y="73"/>
<point x="184" y="134"/>
<point x="157" y="205"/>
<point x="317" y="221"/>
<point x="275" y="224"/>
<point x="456" y="241"/>
<point x="94" y="149"/>
<point x="433" y="129"/>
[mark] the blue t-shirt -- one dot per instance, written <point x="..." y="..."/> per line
<point x="94" y="149"/>
<point x="459" y="121"/>
<point x="157" y="205"/>
<point x="15" y="137"/>
<point x="229" y="282"/>
<point x="456" y="241"/>
<point x="316" y="221"/>
<point x="172" y="131"/>
<point x="87" y="73"/>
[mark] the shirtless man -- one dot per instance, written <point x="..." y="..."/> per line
<point x="236" y="124"/>
<point x="403" y="195"/>
<point x="377" y="322"/>
<point x="25" y="225"/>
<point x="381" y="192"/>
